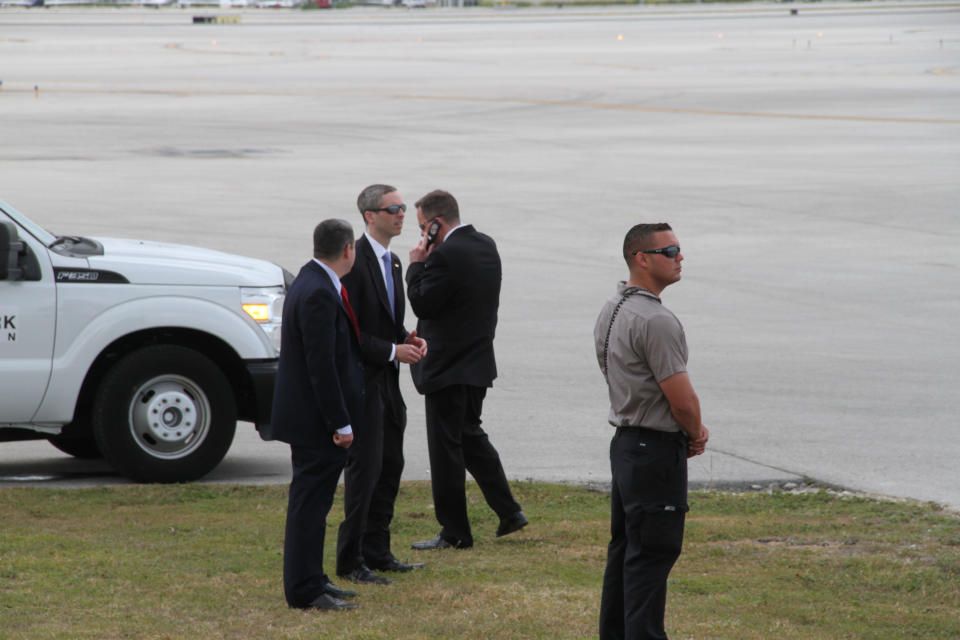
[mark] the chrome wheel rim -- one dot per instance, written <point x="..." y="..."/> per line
<point x="169" y="417"/>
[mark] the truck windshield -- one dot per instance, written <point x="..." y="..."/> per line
<point x="29" y="225"/>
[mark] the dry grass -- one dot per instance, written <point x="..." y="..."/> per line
<point x="198" y="561"/>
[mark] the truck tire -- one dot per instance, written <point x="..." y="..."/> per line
<point x="164" y="413"/>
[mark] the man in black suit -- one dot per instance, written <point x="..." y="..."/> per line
<point x="375" y="461"/>
<point x="317" y="397"/>
<point x="454" y="287"/>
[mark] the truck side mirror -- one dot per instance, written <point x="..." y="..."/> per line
<point x="10" y="249"/>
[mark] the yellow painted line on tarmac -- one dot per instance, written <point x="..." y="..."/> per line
<point x="680" y="110"/>
<point x="517" y="101"/>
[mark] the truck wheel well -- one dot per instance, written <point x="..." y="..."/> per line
<point x="209" y="345"/>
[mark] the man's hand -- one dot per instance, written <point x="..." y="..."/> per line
<point x="420" y="252"/>
<point x="408" y="353"/>
<point x="698" y="446"/>
<point x="419" y="343"/>
<point x="343" y="440"/>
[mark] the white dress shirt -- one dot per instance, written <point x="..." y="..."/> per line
<point x="380" y="250"/>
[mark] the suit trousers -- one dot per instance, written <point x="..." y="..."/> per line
<point x="376" y="538"/>
<point x="648" y="505"/>
<point x="456" y="444"/>
<point x="372" y="475"/>
<point x="314" y="483"/>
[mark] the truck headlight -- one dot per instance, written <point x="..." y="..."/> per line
<point x="265" y="306"/>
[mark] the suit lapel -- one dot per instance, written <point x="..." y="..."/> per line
<point x="373" y="268"/>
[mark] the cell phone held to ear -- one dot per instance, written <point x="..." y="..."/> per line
<point x="432" y="231"/>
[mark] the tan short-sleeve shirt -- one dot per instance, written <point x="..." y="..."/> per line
<point x="646" y="345"/>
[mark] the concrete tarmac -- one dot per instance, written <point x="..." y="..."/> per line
<point x="808" y="161"/>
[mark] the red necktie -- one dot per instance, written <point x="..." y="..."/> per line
<point x="349" y="310"/>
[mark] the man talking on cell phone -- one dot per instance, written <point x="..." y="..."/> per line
<point x="453" y="283"/>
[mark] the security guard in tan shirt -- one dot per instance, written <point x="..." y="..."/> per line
<point x="642" y="352"/>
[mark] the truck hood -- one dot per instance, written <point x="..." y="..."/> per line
<point x="164" y="263"/>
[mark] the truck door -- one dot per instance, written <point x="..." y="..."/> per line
<point x="28" y="316"/>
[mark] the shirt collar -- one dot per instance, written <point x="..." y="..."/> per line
<point x="625" y="289"/>
<point x="334" y="278"/>
<point x="378" y="248"/>
<point x="459" y="226"/>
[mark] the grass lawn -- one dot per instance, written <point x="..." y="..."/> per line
<point x="204" y="561"/>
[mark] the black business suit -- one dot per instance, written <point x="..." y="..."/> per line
<point x="319" y="389"/>
<point x="375" y="460"/>
<point x="456" y="294"/>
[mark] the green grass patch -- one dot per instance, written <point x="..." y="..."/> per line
<point x="204" y="561"/>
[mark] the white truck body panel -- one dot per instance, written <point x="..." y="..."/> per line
<point x="28" y="313"/>
<point x="165" y="263"/>
<point x="101" y="324"/>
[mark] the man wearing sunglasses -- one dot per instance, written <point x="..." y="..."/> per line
<point x="375" y="461"/>
<point x="454" y="288"/>
<point x="642" y="352"/>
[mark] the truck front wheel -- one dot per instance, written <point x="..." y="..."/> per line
<point x="164" y="414"/>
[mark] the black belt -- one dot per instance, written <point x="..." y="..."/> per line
<point x="646" y="432"/>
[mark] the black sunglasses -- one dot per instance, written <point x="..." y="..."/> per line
<point x="393" y="209"/>
<point x="671" y="252"/>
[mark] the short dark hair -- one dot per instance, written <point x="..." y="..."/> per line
<point x="439" y="204"/>
<point x="639" y="238"/>
<point x="330" y="237"/>
<point x="372" y="197"/>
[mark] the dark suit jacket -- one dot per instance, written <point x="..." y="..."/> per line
<point x="319" y="386"/>
<point x="368" y="297"/>
<point x="456" y="294"/>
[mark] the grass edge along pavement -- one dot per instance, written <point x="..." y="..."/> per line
<point x="204" y="561"/>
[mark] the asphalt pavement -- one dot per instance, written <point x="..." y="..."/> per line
<point x="807" y="156"/>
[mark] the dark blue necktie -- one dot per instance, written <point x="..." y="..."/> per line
<point x="388" y="271"/>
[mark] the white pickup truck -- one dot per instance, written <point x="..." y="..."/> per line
<point x="145" y="353"/>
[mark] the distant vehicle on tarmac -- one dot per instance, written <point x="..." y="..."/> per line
<point x="145" y="353"/>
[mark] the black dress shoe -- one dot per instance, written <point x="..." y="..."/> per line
<point x="399" y="567"/>
<point x="327" y="602"/>
<point x="514" y="523"/>
<point x="439" y="543"/>
<point x="363" y="575"/>
<point x="333" y="590"/>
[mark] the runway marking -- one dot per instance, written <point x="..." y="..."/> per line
<point x="680" y="110"/>
<point x="617" y="66"/>
<point x="517" y="101"/>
